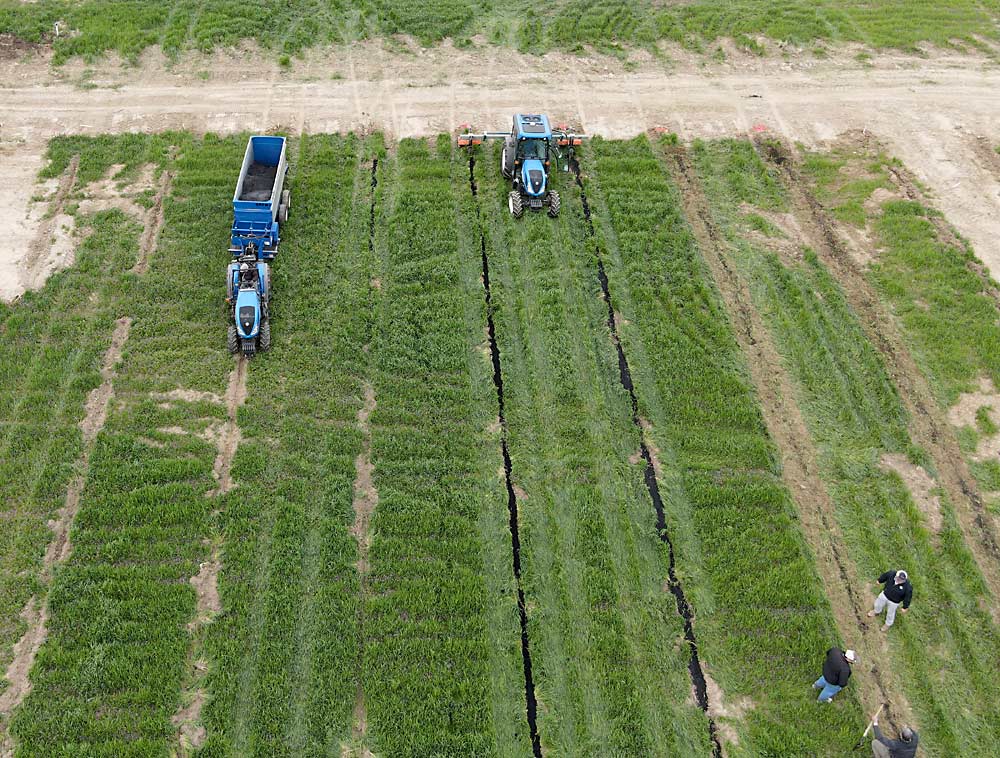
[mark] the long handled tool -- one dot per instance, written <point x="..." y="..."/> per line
<point x="872" y="722"/>
<point x="864" y="737"/>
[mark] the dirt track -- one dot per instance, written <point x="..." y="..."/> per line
<point x="938" y="116"/>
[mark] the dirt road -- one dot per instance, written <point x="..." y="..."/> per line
<point x="939" y="115"/>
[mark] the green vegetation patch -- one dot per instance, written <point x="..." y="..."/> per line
<point x="285" y="656"/>
<point x="93" y="27"/>
<point x="428" y="637"/>
<point x="937" y="288"/>
<point x="762" y="620"/>
<point x="107" y="679"/>
<point x="855" y="416"/>
<point x="593" y="569"/>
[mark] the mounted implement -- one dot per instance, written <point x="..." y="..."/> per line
<point x="526" y="157"/>
<point x="260" y="206"/>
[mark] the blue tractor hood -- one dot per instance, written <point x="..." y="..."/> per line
<point x="533" y="177"/>
<point x="247" y="313"/>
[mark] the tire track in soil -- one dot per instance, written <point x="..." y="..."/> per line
<point x="364" y="503"/>
<point x="153" y="223"/>
<point x="34" y="262"/>
<point x="191" y="733"/>
<point x="515" y="539"/>
<point x="928" y="424"/>
<point x="684" y="609"/>
<point x="59" y="549"/>
<point x="786" y="426"/>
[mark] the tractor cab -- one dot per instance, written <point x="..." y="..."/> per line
<point x="525" y="157"/>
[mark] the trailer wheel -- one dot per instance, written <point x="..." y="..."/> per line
<point x="286" y="205"/>
<point x="264" y="343"/>
<point x="232" y="340"/>
<point x="554" y="204"/>
<point x="515" y="204"/>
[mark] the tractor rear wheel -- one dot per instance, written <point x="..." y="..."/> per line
<point x="232" y="340"/>
<point x="515" y="203"/>
<point x="554" y="204"/>
<point x="264" y="342"/>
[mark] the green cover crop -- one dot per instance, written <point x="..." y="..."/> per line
<point x="600" y="623"/>
<point x="93" y="27"/>
<point x="761" y="619"/>
<point x="855" y="415"/>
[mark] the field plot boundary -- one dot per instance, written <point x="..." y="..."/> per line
<point x="873" y="465"/>
<point x="788" y="429"/>
<point x="190" y="731"/>
<point x="927" y="421"/>
<point x="684" y="610"/>
<point x="331" y="531"/>
<point x="37" y="610"/>
<point x="531" y="701"/>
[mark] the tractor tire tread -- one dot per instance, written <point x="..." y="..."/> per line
<point x="554" y="204"/>
<point x="264" y="340"/>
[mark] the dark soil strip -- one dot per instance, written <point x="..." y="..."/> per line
<point x="374" y="285"/>
<point x="515" y="539"/>
<point x="783" y="419"/>
<point x="673" y="583"/>
<point x="928" y="424"/>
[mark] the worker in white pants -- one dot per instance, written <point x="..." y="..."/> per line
<point x="897" y="591"/>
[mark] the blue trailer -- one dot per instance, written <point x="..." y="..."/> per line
<point x="260" y="206"/>
<point x="260" y="203"/>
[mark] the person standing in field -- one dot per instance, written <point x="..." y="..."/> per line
<point x="836" y="672"/>
<point x="896" y="591"/>
<point x="904" y="747"/>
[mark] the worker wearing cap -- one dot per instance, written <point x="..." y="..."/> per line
<point x="836" y="672"/>
<point x="904" y="747"/>
<point x="897" y="591"/>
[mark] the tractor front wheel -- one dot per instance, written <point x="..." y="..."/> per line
<point x="264" y="343"/>
<point x="554" y="204"/>
<point x="515" y="203"/>
<point x="233" y="340"/>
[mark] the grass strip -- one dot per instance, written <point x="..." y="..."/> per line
<point x="107" y="680"/>
<point x="94" y="27"/>
<point x="856" y="417"/>
<point x="762" y="623"/>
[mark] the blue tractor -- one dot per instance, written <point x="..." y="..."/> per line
<point x="528" y="151"/>
<point x="260" y="206"/>
<point x="248" y="281"/>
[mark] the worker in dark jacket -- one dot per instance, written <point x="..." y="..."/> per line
<point x="836" y="672"/>
<point x="904" y="747"/>
<point x="896" y="591"/>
